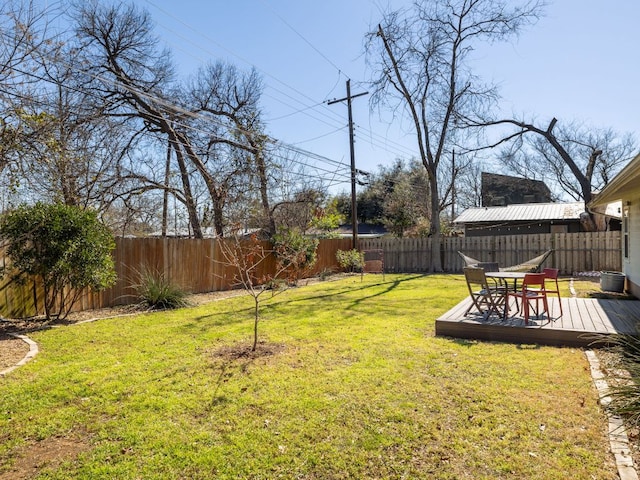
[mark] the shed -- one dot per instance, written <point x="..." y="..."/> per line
<point x="521" y="219"/>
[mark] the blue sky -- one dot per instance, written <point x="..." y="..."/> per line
<point x="580" y="62"/>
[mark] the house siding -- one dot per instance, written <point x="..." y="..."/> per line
<point x="631" y="265"/>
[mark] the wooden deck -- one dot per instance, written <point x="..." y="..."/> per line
<point x="583" y="318"/>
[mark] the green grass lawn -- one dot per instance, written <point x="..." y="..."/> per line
<point x="356" y="386"/>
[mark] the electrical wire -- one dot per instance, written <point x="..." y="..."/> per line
<point x="327" y="113"/>
<point x="190" y="127"/>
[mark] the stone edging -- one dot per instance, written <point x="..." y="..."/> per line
<point x="618" y="439"/>
<point x="33" y="351"/>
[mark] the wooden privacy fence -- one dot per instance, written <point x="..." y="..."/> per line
<point x="572" y="252"/>
<point x="198" y="265"/>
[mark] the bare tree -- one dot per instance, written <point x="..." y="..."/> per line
<point x="225" y="132"/>
<point x="69" y="150"/>
<point x="23" y="35"/>
<point x="418" y="57"/>
<point x="579" y="160"/>
<point x="205" y="123"/>
<point x="135" y="77"/>
<point x="258" y="267"/>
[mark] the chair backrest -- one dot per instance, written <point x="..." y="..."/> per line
<point x="551" y="273"/>
<point x="533" y="279"/>
<point x="489" y="266"/>
<point x="475" y="276"/>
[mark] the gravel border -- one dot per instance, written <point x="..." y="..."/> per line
<point x="618" y="439"/>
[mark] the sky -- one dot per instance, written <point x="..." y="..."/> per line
<point x="578" y="63"/>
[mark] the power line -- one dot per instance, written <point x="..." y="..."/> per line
<point x="376" y="140"/>
<point x="179" y="109"/>
<point x="304" y="39"/>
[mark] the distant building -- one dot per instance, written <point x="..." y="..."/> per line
<point x="528" y="218"/>
<point x="502" y="190"/>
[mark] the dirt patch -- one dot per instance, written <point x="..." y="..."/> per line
<point x="12" y="350"/>
<point x="245" y="351"/>
<point x="31" y="459"/>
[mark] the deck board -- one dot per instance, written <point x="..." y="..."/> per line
<point x="582" y="319"/>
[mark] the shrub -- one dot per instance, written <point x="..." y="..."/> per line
<point x="325" y="273"/>
<point x="350" y="260"/>
<point x="156" y="292"/>
<point x="65" y="248"/>
<point x="295" y="253"/>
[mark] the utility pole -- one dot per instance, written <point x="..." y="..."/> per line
<point x="354" y="212"/>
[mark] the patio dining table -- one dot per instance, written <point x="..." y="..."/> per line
<point x="505" y="278"/>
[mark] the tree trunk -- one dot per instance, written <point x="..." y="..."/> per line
<point x="194" y="221"/>
<point x="165" y="196"/>
<point x="264" y="196"/>
<point x="218" y="219"/>
<point x="434" y="228"/>
<point x="255" y="322"/>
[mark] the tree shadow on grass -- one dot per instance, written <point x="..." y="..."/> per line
<point x="237" y="358"/>
<point x="270" y="304"/>
<point x="348" y="289"/>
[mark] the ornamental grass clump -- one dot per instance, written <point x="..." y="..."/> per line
<point x="156" y="292"/>
<point x="624" y="377"/>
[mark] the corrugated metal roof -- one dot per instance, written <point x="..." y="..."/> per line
<point x="522" y="212"/>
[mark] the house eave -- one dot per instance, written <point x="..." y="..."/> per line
<point x="623" y="184"/>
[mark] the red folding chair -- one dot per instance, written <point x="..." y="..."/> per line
<point x="532" y="290"/>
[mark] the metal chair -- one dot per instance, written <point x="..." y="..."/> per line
<point x="485" y="299"/>
<point x="532" y="290"/>
<point x="551" y="275"/>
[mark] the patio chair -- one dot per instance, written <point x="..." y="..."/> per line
<point x="551" y="275"/>
<point x="532" y="290"/>
<point x="490" y="267"/>
<point x="485" y="299"/>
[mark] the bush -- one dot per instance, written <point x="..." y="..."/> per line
<point x="350" y="260"/>
<point x="158" y="293"/>
<point x="295" y="253"/>
<point x="65" y="248"/>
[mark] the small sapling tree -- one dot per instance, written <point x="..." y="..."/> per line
<point x="258" y="267"/>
